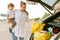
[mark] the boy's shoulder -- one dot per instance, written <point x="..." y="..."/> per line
<point x="8" y="12"/>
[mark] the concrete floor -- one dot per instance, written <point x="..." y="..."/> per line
<point x="4" y="31"/>
<point x="6" y="35"/>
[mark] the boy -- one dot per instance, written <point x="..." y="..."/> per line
<point x="11" y="16"/>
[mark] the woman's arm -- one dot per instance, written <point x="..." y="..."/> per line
<point x="27" y="19"/>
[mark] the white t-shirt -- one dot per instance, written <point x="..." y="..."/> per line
<point x="20" y="18"/>
<point x="11" y="14"/>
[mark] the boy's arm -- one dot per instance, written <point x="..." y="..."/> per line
<point x="9" y="21"/>
<point x="7" y="16"/>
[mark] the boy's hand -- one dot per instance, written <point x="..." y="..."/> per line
<point x="9" y="21"/>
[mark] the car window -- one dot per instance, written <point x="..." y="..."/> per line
<point x="49" y="2"/>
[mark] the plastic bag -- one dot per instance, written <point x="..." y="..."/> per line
<point x="42" y="36"/>
<point x="36" y="27"/>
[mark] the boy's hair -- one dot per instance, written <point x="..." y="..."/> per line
<point x="22" y="3"/>
<point x="10" y="4"/>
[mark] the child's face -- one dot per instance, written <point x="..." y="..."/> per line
<point x="10" y="8"/>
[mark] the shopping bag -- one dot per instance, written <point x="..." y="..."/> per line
<point x="42" y="36"/>
<point x="36" y="27"/>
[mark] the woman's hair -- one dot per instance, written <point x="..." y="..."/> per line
<point x="26" y="12"/>
<point x="22" y="3"/>
<point x="11" y="4"/>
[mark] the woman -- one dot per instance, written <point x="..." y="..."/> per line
<point x="21" y="17"/>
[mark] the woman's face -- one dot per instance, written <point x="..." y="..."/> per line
<point x="23" y="7"/>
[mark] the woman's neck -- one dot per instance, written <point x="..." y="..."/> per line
<point x="22" y="10"/>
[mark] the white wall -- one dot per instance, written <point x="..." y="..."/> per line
<point x="34" y="10"/>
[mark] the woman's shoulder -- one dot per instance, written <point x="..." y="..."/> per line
<point x="16" y="10"/>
